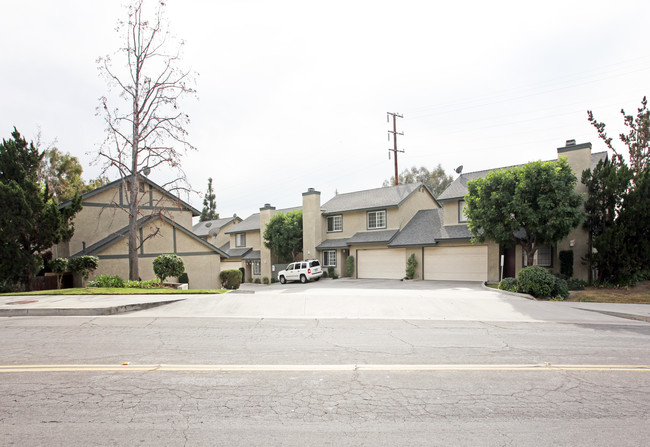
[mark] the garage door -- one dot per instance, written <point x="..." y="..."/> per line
<point x="230" y="265"/>
<point x="456" y="263"/>
<point x="382" y="264"/>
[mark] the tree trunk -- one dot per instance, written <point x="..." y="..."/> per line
<point x="133" y="228"/>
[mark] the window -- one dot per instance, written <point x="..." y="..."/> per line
<point x="329" y="258"/>
<point x="256" y="268"/>
<point x="461" y="211"/>
<point x="240" y="240"/>
<point x="376" y="219"/>
<point x="141" y="186"/>
<point x="334" y="223"/>
<point x="543" y="256"/>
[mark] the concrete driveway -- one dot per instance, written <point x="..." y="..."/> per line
<point x="376" y="299"/>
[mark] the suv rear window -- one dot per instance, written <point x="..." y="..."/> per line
<point x="314" y="263"/>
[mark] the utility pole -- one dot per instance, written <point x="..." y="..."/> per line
<point x="395" y="134"/>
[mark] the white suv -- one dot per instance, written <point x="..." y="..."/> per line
<point x="302" y="271"/>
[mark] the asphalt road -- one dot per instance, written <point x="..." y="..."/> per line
<point x="229" y="381"/>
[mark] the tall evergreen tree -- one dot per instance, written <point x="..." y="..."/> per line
<point x="30" y="219"/>
<point x="209" y="211"/>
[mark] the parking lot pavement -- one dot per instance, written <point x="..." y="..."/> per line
<point x="378" y="299"/>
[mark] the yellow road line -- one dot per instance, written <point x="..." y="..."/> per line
<point x="315" y="368"/>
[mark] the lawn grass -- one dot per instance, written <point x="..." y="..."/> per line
<point x="115" y="291"/>
<point x="639" y="294"/>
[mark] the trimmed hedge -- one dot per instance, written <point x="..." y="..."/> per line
<point x="509" y="284"/>
<point x="536" y="281"/>
<point x="165" y="266"/>
<point x="230" y="279"/>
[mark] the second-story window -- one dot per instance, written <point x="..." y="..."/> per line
<point x="334" y="223"/>
<point x="461" y="211"/>
<point x="376" y="219"/>
<point x="240" y="240"/>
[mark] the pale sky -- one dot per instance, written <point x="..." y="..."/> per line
<point x="294" y="94"/>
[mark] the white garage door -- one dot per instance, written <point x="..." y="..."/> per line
<point x="456" y="263"/>
<point x="230" y="265"/>
<point x="382" y="264"/>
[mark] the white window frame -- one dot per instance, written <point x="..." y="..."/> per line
<point x="461" y="208"/>
<point x="240" y="239"/>
<point x="327" y="258"/>
<point x="257" y="268"/>
<point x="337" y="223"/>
<point x="549" y="252"/>
<point x="376" y="214"/>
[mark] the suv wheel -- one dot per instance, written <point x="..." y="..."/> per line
<point x="282" y="280"/>
<point x="303" y="279"/>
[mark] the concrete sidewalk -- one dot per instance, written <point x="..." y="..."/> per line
<point x="81" y="305"/>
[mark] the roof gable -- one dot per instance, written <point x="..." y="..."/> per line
<point x="212" y="227"/>
<point x="123" y="232"/>
<point x="119" y="182"/>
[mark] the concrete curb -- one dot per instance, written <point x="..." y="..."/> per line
<point x="81" y="312"/>
<point x="506" y="292"/>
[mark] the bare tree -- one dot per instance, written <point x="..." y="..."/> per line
<point x="146" y="134"/>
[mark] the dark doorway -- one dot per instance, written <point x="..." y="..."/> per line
<point x="509" y="262"/>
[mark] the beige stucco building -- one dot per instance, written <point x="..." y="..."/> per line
<point x="164" y="227"/>
<point x="383" y="227"/>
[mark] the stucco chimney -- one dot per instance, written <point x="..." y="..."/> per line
<point x="312" y="223"/>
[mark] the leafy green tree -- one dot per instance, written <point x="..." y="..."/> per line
<point x="437" y="180"/>
<point x="527" y="205"/>
<point x="209" y="211"/>
<point x="165" y="266"/>
<point x="618" y="203"/>
<point x="30" y="218"/>
<point x="59" y="266"/>
<point x="62" y="174"/>
<point x="283" y="235"/>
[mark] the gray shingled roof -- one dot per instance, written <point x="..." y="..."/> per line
<point x="234" y="252"/>
<point x="372" y="237"/>
<point x="212" y="227"/>
<point x="458" y="187"/>
<point x="252" y="222"/>
<point x="124" y="231"/>
<point x="253" y="255"/>
<point x="386" y="197"/>
<point x="427" y="228"/>
<point x="331" y="244"/>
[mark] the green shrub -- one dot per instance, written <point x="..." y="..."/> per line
<point x="536" y="281"/>
<point x="330" y="272"/>
<point x="107" y="281"/>
<point x="509" y="284"/>
<point x="325" y="275"/>
<point x="560" y="289"/>
<point x="334" y="276"/>
<point x="411" y="265"/>
<point x="84" y="266"/>
<point x="230" y="279"/>
<point x="184" y="279"/>
<point x="349" y="266"/>
<point x="165" y="266"/>
<point x="566" y="263"/>
<point x="273" y="280"/>
<point x="257" y="281"/>
<point x="576" y="284"/>
<point x="151" y="284"/>
<point x="265" y="280"/>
